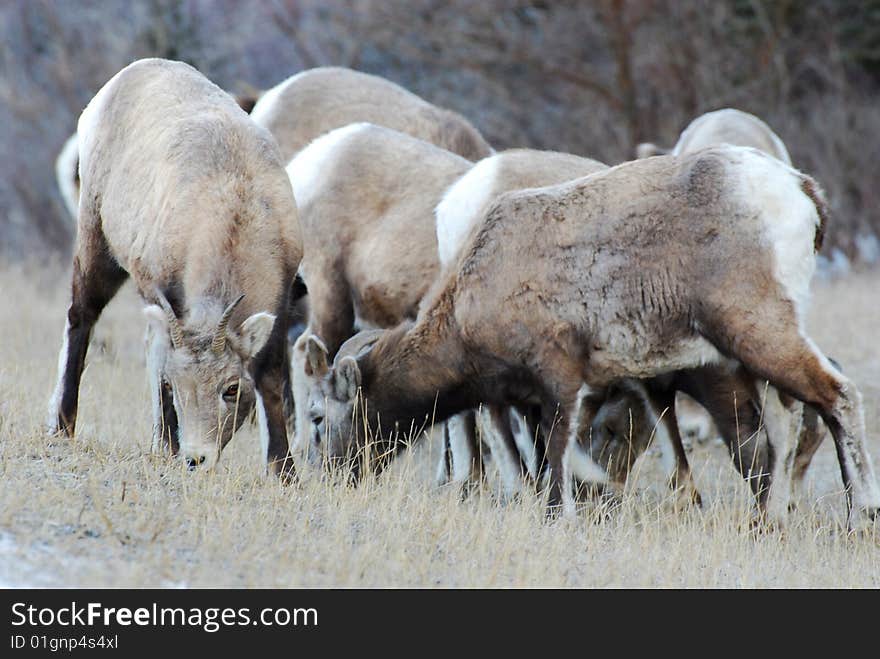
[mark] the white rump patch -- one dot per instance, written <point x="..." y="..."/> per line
<point x="66" y="168"/>
<point x="309" y="166"/>
<point x="790" y="220"/>
<point x="460" y="206"/>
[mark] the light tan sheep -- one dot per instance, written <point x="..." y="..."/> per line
<point x="185" y="194"/>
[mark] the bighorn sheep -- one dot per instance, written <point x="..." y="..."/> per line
<point x="649" y="267"/>
<point x="365" y="197"/>
<point x="316" y="101"/>
<point x="726" y="126"/>
<point x="370" y="246"/>
<point x="458" y="214"/>
<point x="184" y="193"/>
<point x="633" y="412"/>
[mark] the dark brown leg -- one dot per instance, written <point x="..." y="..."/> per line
<point x="96" y="278"/>
<point x="561" y="430"/>
<point x="297" y="320"/>
<point x="732" y="400"/>
<point x="811" y="437"/>
<point x="271" y="377"/>
<point x="289" y="405"/>
<point x="680" y="479"/>
<point x="749" y="450"/>
<point x="169" y="437"/>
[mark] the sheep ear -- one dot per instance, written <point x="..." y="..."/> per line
<point x="348" y="378"/>
<point x="254" y="332"/>
<point x="246" y="102"/>
<point x="316" y="357"/>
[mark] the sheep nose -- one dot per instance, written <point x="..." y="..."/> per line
<point x="193" y="462"/>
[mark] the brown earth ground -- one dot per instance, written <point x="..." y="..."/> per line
<point x="102" y="511"/>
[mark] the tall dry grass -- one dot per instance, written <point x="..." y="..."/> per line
<point x="102" y="511"/>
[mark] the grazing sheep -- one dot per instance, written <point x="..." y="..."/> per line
<point x="650" y="267"/>
<point x="185" y="194"/>
<point x="370" y="248"/>
<point x="319" y="100"/>
<point x="512" y="439"/>
<point x="366" y="196"/>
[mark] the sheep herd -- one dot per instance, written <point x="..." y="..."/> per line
<point x="359" y="265"/>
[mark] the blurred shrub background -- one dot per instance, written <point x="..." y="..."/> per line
<point x="593" y="78"/>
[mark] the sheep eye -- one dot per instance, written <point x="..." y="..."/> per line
<point x="231" y="393"/>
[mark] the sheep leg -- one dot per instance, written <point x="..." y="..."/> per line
<point x="524" y="431"/>
<point x="165" y="423"/>
<point x="466" y="461"/>
<point x="297" y="314"/>
<point x="681" y="480"/>
<point x="444" y="467"/>
<point x="751" y="459"/>
<point x="782" y="422"/>
<point x="498" y="434"/>
<point x="331" y="319"/>
<point x="793" y="364"/>
<point x="563" y="426"/>
<point x="96" y="279"/>
<point x="731" y="398"/>
<point x="271" y="372"/>
<point x="555" y="426"/>
<point x="810" y="438"/>
<point x="300" y="391"/>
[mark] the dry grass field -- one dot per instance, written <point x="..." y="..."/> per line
<point x="102" y="511"/>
